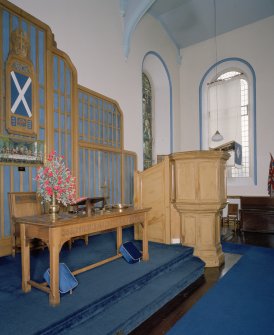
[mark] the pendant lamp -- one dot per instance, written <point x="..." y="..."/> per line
<point x="217" y="137"/>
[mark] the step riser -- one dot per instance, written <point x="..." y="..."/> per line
<point x="138" y="318"/>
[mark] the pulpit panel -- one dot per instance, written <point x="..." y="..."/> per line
<point x="208" y="180"/>
<point x="152" y="183"/>
<point x="206" y="228"/>
<point x="185" y="181"/>
<point x="189" y="228"/>
<point x="152" y="188"/>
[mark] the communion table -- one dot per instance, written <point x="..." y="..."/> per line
<point x="56" y="232"/>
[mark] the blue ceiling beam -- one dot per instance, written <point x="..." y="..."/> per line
<point x="132" y="11"/>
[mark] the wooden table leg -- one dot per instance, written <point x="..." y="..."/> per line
<point x="145" y="240"/>
<point x="119" y="238"/>
<point x="25" y="257"/>
<point x="54" y="249"/>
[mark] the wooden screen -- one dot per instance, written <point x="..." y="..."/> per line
<point x="104" y="167"/>
<point x="100" y="120"/>
<point x="84" y="126"/>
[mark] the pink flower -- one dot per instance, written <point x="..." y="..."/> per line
<point x="54" y="176"/>
<point x="49" y="190"/>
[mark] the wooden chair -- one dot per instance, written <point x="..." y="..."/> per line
<point x="232" y="216"/>
<point x="22" y="204"/>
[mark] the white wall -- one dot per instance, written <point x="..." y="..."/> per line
<point x="255" y="44"/>
<point x="91" y="33"/>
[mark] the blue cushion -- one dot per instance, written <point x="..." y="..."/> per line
<point x="67" y="281"/>
<point x="130" y="253"/>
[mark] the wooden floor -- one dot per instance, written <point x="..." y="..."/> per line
<point x="165" y="318"/>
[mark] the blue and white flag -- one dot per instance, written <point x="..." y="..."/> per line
<point x="238" y="154"/>
<point x="21" y="94"/>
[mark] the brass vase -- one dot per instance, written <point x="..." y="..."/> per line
<point x="54" y="208"/>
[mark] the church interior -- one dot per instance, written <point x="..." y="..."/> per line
<point x="136" y="167"/>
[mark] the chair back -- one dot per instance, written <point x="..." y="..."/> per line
<point x="24" y="204"/>
<point x="232" y="209"/>
<point x="21" y="204"/>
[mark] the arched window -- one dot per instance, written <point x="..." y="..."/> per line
<point x="232" y="88"/>
<point x="147" y="122"/>
<point x="234" y="82"/>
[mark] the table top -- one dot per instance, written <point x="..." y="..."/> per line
<point x="63" y="219"/>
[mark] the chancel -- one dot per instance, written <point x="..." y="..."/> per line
<point x="107" y="122"/>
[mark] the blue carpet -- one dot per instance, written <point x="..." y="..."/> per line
<point x="116" y="296"/>
<point x="241" y="302"/>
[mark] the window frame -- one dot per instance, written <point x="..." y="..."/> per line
<point x="226" y="65"/>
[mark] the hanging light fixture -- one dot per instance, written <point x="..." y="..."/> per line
<point x="217" y="136"/>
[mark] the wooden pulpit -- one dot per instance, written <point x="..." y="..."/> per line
<point x="186" y="192"/>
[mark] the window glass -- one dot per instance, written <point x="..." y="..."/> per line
<point x="239" y="121"/>
<point x="147" y="123"/>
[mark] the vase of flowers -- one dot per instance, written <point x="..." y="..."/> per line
<point x="55" y="183"/>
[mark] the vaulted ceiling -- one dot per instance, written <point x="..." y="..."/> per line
<point x="191" y="21"/>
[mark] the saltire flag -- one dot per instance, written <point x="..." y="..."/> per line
<point x="21" y="94"/>
<point x="271" y="176"/>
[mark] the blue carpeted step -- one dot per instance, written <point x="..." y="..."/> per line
<point x="135" y="306"/>
<point x="184" y="254"/>
<point x="133" y="309"/>
<point x="99" y="290"/>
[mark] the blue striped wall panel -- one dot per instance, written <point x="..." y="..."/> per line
<point x="15" y="22"/>
<point x="33" y="44"/>
<point x="25" y="180"/>
<point x="118" y="176"/>
<point x="24" y="25"/>
<point x="5" y="35"/>
<point x="7" y="189"/>
<point x="41" y="57"/>
<point x="62" y="108"/>
<point x="33" y="173"/>
<point x="115" y="182"/>
<point x="111" y="190"/>
<point x="97" y="170"/>
<point x="128" y="178"/>
<point x="14" y="180"/>
<point x="80" y="177"/>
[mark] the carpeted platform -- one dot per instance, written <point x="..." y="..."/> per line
<point x="241" y="303"/>
<point x="115" y="297"/>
